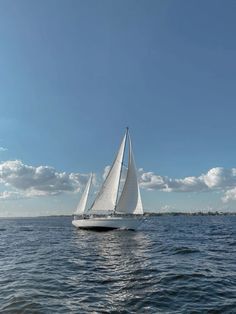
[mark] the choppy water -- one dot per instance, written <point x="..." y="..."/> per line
<point x="171" y="265"/>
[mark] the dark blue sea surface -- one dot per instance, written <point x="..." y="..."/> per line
<point x="172" y="264"/>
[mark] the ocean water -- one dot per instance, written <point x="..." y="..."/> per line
<point x="172" y="264"/>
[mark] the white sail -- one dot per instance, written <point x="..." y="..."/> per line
<point x="130" y="199"/>
<point x="106" y="198"/>
<point x="81" y="208"/>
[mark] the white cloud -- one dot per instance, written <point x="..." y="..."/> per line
<point x="215" y="179"/>
<point x="37" y="181"/>
<point x="3" y="149"/>
<point x="229" y="195"/>
<point x="188" y="184"/>
<point x="24" y="181"/>
<point x="151" y="181"/>
<point x="220" y="177"/>
<point x="6" y="195"/>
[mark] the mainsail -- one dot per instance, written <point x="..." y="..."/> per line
<point x="81" y="208"/>
<point x="130" y="199"/>
<point x="107" y="197"/>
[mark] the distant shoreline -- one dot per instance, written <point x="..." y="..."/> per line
<point x="147" y="214"/>
<point x="216" y="213"/>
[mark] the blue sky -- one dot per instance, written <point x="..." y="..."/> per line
<point x="74" y="74"/>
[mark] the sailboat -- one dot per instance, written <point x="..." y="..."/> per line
<point x="111" y="208"/>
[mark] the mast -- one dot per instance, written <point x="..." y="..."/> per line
<point x="127" y="131"/>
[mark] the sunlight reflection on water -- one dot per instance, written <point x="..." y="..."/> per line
<point x="172" y="264"/>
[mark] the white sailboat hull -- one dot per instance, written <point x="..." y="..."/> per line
<point x="108" y="223"/>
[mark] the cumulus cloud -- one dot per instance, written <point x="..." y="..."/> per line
<point x="229" y="195"/>
<point x="215" y="179"/>
<point x="3" y="149"/>
<point x="151" y="181"/>
<point x="220" y="177"/>
<point x="24" y="181"/>
<point x="37" y="181"/>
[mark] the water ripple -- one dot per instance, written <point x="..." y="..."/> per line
<point x="171" y="265"/>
